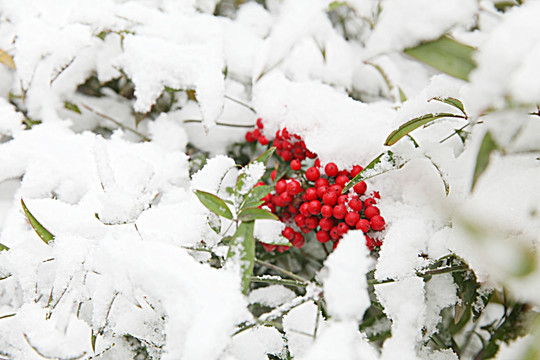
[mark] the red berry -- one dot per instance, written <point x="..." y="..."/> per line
<point x="326" y="211"/>
<point x="276" y="200"/>
<point x="294" y="187"/>
<point x="286" y="198"/>
<point x="321" y="191"/>
<point x="298" y="240"/>
<point x="273" y="175"/>
<point x="304" y="209"/>
<point x="323" y="236"/>
<point x="330" y="198"/>
<point x="352" y="218"/>
<point x="317" y="163"/>
<point x="360" y="188"/>
<point x="293" y="209"/>
<point x="339" y="211"/>
<point x="263" y="140"/>
<point x="268" y="247"/>
<point x="356" y="170"/>
<point x="288" y="232"/>
<point x="363" y="225"/>
<point x="377" y="223"/>
<point x="371" y="211"/>
<point x="326" y="224"/>
<point x="311" y="194"/>
<point x="256" y="133"/>
<point x="249" y="137"/>
<point x="287" y="155"/>
<point x="310" y="154"/>
<point x="370" y="243"/>
<point x="331" y="169"/>
<point x="342" y="229"/>
<point x="314" y="207"/>
<point x="334" y="233"/>
<point x="312" y="222"/>
<point x="305" y="229"/>
<point x="356" y="204"/>
<point x="259" y="123"/>
<point x="369" y="202"/>
<point x="281" y="186"/>
<point x="282" y="248"/>
<point x="342" y="199"/>
<point x="321" y="182"/>
<point x="296" y="164"/>
<point x="341" y="180"/>
<point x="272" y="207"/>
<point x="312" y="173"/>
<point x="300" y="220"/>
<point x="336" y="188"/>
<point x="376" y="195"/>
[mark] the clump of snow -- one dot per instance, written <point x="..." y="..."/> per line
<point x="269" y="231"/>
<point x="273" y="295"/>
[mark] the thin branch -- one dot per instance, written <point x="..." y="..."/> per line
<point x="116" y="122"/>
<point x="187" y="121"/>
<point x="444" y="270"/>
<point x="283" y="271"/>
<point x="274" y="280"/>
<point x="240" y="103"/>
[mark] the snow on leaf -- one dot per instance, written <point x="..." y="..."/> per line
<point x="214" y="204"/>
<point x="43" y="233"/>
<point x="242" y="252"/>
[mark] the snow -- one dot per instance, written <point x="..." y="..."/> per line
<point x="134" y="253"/>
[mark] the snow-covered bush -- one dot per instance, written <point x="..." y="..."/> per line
<point x="141" y="197"/>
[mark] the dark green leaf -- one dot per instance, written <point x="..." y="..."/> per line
<point x="242" y="249"/>
<point x="43" y="233"/>
<point x="72" y="107"/>
<point x="387" y="162"/>
<point x="482" y="159"/>
<point x="452" y="102"/>
<point x="446" y="55"/>
<point x="251" y="214"/>
<point x="256" y="194"/>
<point x="264" y="157"/>
<point x="414" y="124"/>
<point x="3" y="247"/>
<point x="214" y="204"/>
<point x="482" y="299"/>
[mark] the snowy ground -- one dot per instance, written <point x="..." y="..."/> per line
<point x="121" y="280"/>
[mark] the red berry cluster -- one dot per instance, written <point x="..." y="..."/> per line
<point x="314" y="203"/>
<point x="256" y="135"/>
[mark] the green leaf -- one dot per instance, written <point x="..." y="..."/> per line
<point x="264" y="157"/>
<point x="414" y="124"/>
<point x="482" y="159"/>
<point x="446" y="55"/>
<point x="214" y="222"/>
<point x="214" y="204"/>
<point x="251" y="214"/>
<point x="335" y="4"/>
<point x="402" y="96"/>
<point x="256" y="194"/>
<point x="242" y="249"/>
<point x="383" y="163"/>
<point x="43" y="233"/>
<point x="3" y="247"/>
<point x="452" y="102"/>
<point x="72" y="107"/>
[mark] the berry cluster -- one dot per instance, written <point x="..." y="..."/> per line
<point x="312" y="201"/>
<point x="256" y="135"/>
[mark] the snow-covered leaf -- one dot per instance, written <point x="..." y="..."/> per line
<point x="43" y="233"/>
<point x="251" y="214"/>
<point x="214" y="204"/>
<point x="482" y="158"/>
<point x="242" y="252"/>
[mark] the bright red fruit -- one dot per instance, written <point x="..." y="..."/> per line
<point x="281" y="186"/>
<point x="334" y="233"/>
<point x="326" y="211"/>
<point x="371" y="211"/>
<point x="330" y="198"/>
<point x="323" y="236"/>
<point x="288" y="232"/>
<point x="356" y="204"/>
<point x="326" y="224"/>
<point x="331" y="169"/>
<point x="249" y="137"/>
<point x="363" y="225"/>
<point x="342" y="229"/>
<point x="294" y="187"/>
<point x="296" y="164"/>
<point x="263" y="140"/>
<point x="259" y="123"/>
<point x="356" y="170"/>
<point x="310" y="194"/>
<point x="314" y="207"/>
<point x="321" y="182"/>
<point x="312" y="222"/>
<point x="352" y="218"/>
<point x="339" y="211"/>
<point x="312" y="173"/>
<point x="300" y="220"/>
<point x="341" y="180"/>
<point x="377" y="223"/>
<point x="360" y="188"/>
<point x="298" y="240"/>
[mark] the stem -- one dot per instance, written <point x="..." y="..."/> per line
<point x="264" y="323"/>
<point x="116" y="122"/>
<point x="269" y="280"/>
<point x="283" y="271"/>
<point x="444" y="270"/>
<point x="7" y="316"/>
<point x="240" y="103"/>
<point x="219" y="123"/>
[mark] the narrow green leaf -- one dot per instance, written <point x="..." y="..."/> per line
<point x="3" y="247"/>
<point x="414" y="124"/>
<point x="383" y="163"/>
<point x="482" y="159"/>
<point x="251" y="214"/>
<point x="214" y="204"/>
<point x="242" y="249"/>
<point x="452" y="102"/>
<point x="446" y="55"/>
<point x="43" y="233"/>
<point x="335" y="4"/>
<point x="214" y="222"/>
<point x="402" y="96"/>
<point x="72" y="107"/>
<point x="256" y="194"/>
<point x="93" y="341"/>
<point x="264" y="157"/>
